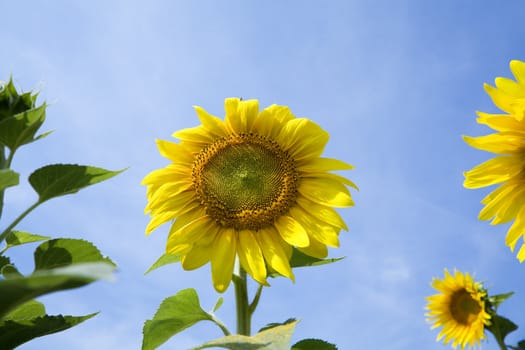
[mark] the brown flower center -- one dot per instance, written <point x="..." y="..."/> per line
<point x="245" y="181"/>
<point x="464" y="308"/>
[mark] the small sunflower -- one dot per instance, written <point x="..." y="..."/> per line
<point x="507" y="202"/>
<point x="251" y="186"/>
<point x="460" y="309"/>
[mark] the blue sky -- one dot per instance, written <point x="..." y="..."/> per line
<point x="395" y="83"/>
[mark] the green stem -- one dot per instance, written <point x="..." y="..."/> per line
<point x="17" y="220"/>
<point x="221" y="325"/>
<point x="241" y="302"/>
<point x="256" y="299"/>
<point x="3" y="165"/>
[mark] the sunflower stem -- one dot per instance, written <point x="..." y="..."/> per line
<point x="242" y="304"/>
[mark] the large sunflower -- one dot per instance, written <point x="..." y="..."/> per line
<point x="507" y="202"/>
<point x="252" y="186"/>
<point x="460" y="309"/>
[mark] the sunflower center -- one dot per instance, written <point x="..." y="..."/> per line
<point x="245" y="181"/>
<point x="464" y="308"/>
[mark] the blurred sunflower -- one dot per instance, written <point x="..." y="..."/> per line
<point x="252" y="186"/>
<point x="460" y="309"/>
<point x="507" y="202"/>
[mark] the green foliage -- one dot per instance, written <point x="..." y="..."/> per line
<point x="218" y="304"/>
<point x="15" y="238"/>
<point x="299" y="259"/>
<point x="313" y="344"/>
<point x="275" y="338"/>
<point x="8" y="178"/>
<point x="19" y="331"/>
<point x="273" y="325"/>
<point x="61" y="179"/>
<point x="165" y="259"/>
<point x="174" y="315"/>
<point x="60" y="264"/>
<point x="501" y="326"/>
<point x="496" y="300"/>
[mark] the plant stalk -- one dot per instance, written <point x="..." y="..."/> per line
<point x="242" y="303"/>
<point x="17" y="220"/>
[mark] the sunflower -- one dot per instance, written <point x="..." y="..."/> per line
<point x="459" y="309"/>
<point x="249" y="187"/>
<point x="507" y="202"/>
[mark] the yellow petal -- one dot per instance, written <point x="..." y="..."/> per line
<point x="517" y="230"/>
<point x="326" y="191"/>
<point x="292" y="231"/>
<point x="198" y="135"/>
<point x="508" y="208"/>
<point x="223" y="259"/>
<point x="322" y="213"/>
<point x="315" y="249"/>
<point x="271" y="120"/>
<point x="518" y="69"/>
<point x="273" y="252"/>
<point x="174" y="151"/>
<point x="493" y="171"/>
<point x="232" y="120"/>
<point x="318" y="165"/>
<point x="322" y="232"/>
<point x="501" y="122"/>
<point x="492" y="207"/>
<point x="250" y="256"/>
<point x="303" y="138"/>
<point x="503" y="142"/>
<point x="196" y="257"/>
<point x="248" y="111"/>
<point x="521" y="253"/>
<point x="500" y="98"/>
<point x="510" y="87"/>
<point x="191" y="233"/>
<point x="160" y="219"/>
<point x="162" y="175"/>
<point x="214" y="125"/>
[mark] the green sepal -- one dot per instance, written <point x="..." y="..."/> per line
<point x="496" y="300"/>
<point x="12" y="103"/>
<point x="16" y="291"/>
<point x="165" y="259"/>
<point x="175" y="314"/>
<point x="300" y="259"/>
<point x="313" y="344"/>
<point x="276" y="338"/>
<point x="67" y="251"/>
<point x="501" y="326"/>
<point x="8" y="178"/>
<point x="15" y="238"/>
<point x="16" y="332"/>
<point x="60" y="179"/>
<point x="20" y="129"/>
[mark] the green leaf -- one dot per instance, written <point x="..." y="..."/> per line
<point x="8" y="178"/>
<point x="299" y="259"/>
<point x="30" y="309"/>
<point x="218" y="304"/>
<point x="60" y="179"/>
<point x="15" y="238"/>
<point x="15" y="333"/>
<point x="4" y="260"/>
<point x="273" y="325"/>
<point x="313" y="344"/>
<point x="496" y="300"/>
<point x="66" y="251"/>
<point x="165" y="259"/>
<point x="16" y="291"/>
<point x="10" y="271"/>
<point x="501" y="326"/>
<point x="174" y="315"/>
<point x="20" y="129"/>
<point x="277" y="338"/>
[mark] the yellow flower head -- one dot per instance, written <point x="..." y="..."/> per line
<point x="507" y="202"/>
<point x="460" y="309"/>
<point x="251" y="186"/>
